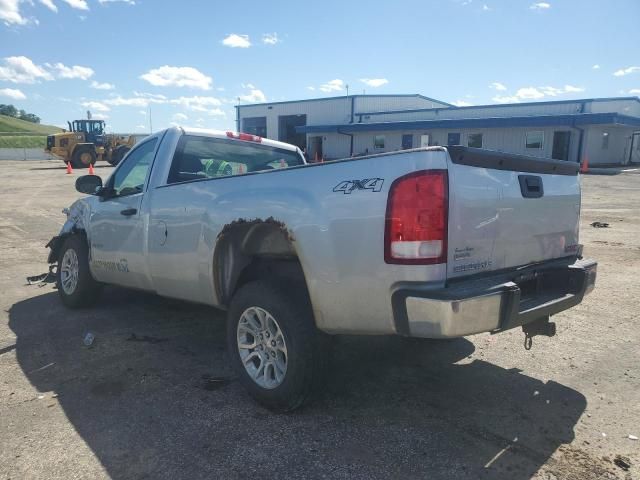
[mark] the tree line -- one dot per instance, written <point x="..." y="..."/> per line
<point x="11" y="111"/>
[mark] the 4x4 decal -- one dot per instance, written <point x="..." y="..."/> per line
<point x="348" y="186"/>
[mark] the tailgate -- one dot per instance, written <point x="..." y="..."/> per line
<point x="509" y="210"/>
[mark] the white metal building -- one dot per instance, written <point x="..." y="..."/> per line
<point x="606" y="131"/>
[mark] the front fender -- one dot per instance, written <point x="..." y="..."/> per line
<point x="77" y="221"/>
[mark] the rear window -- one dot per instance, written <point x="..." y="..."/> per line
<point x="204" y="157"/>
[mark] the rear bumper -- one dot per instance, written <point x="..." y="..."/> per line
<point x="492" y="304"/>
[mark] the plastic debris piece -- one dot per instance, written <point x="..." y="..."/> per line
<point x="623" y="462"/>
<point x="600" y="225"/>
<point x="88" y="339"/>
<point x="633" y="437"/>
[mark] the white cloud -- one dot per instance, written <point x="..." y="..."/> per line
<point x="374" y="82"/>
<point x="76" y="71"/>
<point x="270" y="38"/>
<point x="248" y="85"/>
<point x="49" y="4"/>
<point x="168" y="76"/>
<point x="625" y="71"/>
<point x="99" y="116"/>
<point x="536" y="93"/>
<point x="102" y="86"/>
<point x="155" y="97"/>
<point x="332" y="86"/>
<point x="22" y="70"/>
<point x="596" y="67"/>
<point x="254" y="96"/>
<point x="127" y="102"/>
<point x="141" y="127"/>
<point x="462" y="103"/>
<point x="77" y="4"/>
<point x="551" y="91"/>
<point x="498" y="86"/>
<point x="311" y="88"/>
<point x="180" y="117"/>
<point x="234" y="40"/>
<point x="540" y="6"/>
<point x="200" y="104"/>
<point x="128" y="2"/>
<point x="505" y="99"/>
<point x="635" y="91"/>
<point x="485" y="8"/>
<point x="142" y="112"/>
<point x="100" y="107"/>
<point x="12" y="93"/>
<point x="529" y="93"/>
<point x="572" y="89"/>
<point x="10" y="13"/>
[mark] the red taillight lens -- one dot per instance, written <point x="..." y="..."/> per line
<point x="245" y="136"/>
<point x="416" y="222"/>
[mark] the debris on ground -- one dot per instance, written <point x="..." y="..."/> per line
<point x="145" y="338"/>
<point x="88" y="339"/>
<point x="214" y="383"/>
<point x="623" y="462"/>
<point x="43" y="278"/>
<point x="600" y="225"/>
<point x="633" y="437"/>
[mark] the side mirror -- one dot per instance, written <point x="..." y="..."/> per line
<point x="88" y="184"/>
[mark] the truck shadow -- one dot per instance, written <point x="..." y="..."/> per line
<point x="153" y="398"/>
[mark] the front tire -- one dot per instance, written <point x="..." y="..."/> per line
<point x="76" y="286"/>
<point x="274" y="346"/>
<point x="83" y="157"/>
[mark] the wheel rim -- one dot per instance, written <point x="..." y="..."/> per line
<point x="69" y="271"/>
<point x="262" y="347"/>
<point x="85" y="158"/>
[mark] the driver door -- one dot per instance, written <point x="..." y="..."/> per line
<point x="117" y="226"/>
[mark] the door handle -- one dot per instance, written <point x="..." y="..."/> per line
<point x="127" y="212"/>
<point x="531" y="186"/>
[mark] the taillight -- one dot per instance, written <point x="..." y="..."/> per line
<point x="416" y="222"/>
<point x="244" y="136"/>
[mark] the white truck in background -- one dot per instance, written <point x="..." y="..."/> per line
<point x="433" y="242"/>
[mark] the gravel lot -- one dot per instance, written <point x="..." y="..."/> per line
<point x="153" y="397"/>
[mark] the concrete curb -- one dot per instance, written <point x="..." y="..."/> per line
<point x="25" y="154"/>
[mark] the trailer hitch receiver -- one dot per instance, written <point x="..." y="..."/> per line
<point x="541" y="326"/>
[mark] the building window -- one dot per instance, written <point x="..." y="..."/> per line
<point x="255" y="126"/>
<point x="605" y="140"/>
<point x="453" y="139"/>
<point x="474" y="140"/>
<point x="378" y="142"/>
<point x="535" y="140"/>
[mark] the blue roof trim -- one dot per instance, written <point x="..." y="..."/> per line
<point x="491" y="122"/>
<point x="501" y="105"/>
<point x="385" y="95"/>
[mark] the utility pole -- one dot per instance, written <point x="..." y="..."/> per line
<point x="347" y="87"/>
<point x="150" y="122"/>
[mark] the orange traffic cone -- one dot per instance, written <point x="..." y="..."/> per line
<point x="584" y="168"/>
<point x="91" y="172"/>
<point x="69" y="169"/>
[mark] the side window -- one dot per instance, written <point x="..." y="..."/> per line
<point x="129" y="178"/>
<point x="206" y="157"/>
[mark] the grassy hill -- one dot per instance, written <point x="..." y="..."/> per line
<point x="15" y="133"/>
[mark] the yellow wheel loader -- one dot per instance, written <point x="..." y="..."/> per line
<point x="85" y="143"/>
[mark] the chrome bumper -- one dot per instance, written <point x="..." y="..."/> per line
<point x="492" y="304"/>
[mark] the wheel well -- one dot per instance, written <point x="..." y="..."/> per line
<point x="250" y="250"/>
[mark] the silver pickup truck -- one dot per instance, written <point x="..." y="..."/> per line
<point x="434" y="242"/>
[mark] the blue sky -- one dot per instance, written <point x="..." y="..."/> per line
<point x="189" y="61"/>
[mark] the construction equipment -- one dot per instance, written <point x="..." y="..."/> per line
<point x="86" y="142"/>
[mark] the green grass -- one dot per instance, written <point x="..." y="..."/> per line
<point x="10" y="125"/>
<point x="23" y="141"/>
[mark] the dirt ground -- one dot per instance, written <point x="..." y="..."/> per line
<point x="153" y="396"/>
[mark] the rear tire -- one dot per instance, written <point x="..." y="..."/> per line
<point x="118" y="154"/>
<point x="76" y="286"/>
<point x="288" y="358"/>
<point x="83" y="157"/>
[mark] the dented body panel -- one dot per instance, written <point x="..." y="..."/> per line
<point x="191" y="240"/>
